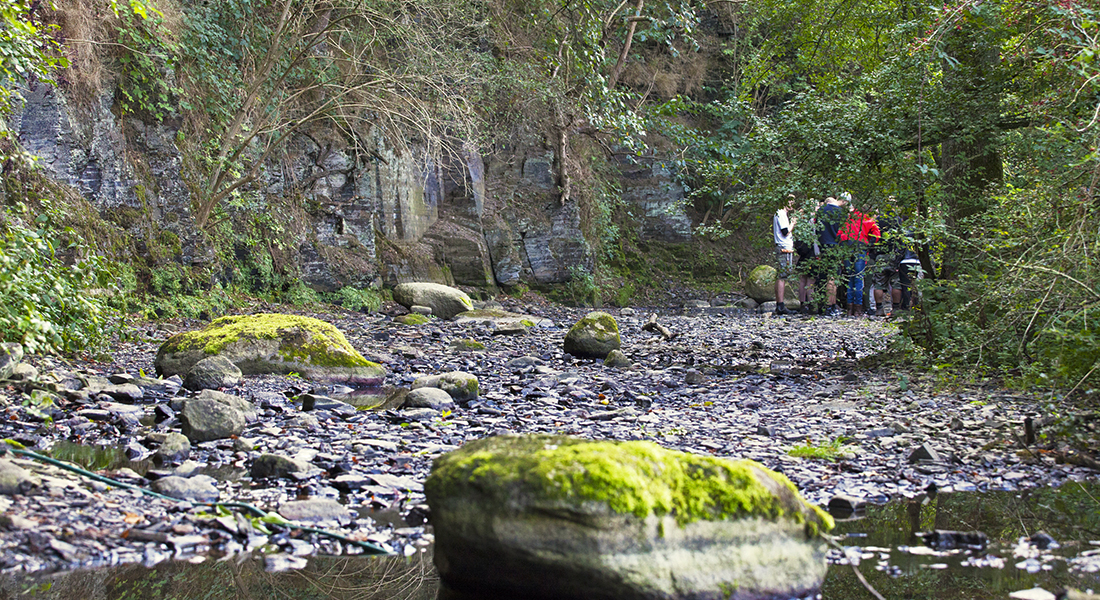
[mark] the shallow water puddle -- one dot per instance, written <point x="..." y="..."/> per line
<point x="1017" y="562"/>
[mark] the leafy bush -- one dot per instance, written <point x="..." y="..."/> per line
<point x="50" y="306"/>
<point x="301" y="294"/>
<point x="353" y="298"/>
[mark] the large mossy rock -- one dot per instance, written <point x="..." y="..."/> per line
<point x="594" y="336"/>
<point x="567" y="518"/>
<point x="272" y="343"/>
<point x="445" y="301"/>
<point x="760" y="286"/>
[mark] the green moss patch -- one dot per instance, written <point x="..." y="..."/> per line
<point x="638" y="478"/>
<point x="412" y="319"/>
<point x="302" y="338"/>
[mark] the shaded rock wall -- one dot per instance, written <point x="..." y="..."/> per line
<point x="351" y="217"/>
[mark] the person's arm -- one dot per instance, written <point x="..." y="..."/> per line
<point x="874" y="234"/>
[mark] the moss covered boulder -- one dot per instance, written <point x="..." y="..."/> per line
<point x="272" y="343"/>
<point x="594" y="336"/>
<point x="445" y="301"/>
<point x="760" y="286"/>
<point x="567" y="518"/>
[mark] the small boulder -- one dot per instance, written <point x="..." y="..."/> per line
<point x="445" y="301"/>
<point x="24" y="372"/>
<point x="560" y="517"/>
<point x="212" y="373"/>
<point x="243" y="405"/>
<point x="421" y="310"/>
<point x="760" y="286"/>
<point x="272" y="343"/>
<point x="199" y="488"/>
<point x="10" y="355"/>
<point x="594" y="336"/>
<point x="315" y="510"/>
<point x="429" y="397"/>
<point x="273" y="465"/>
<point x="461" y="386"/>
<point x="616" y="359"/>
<point x="15" y="480"/>
<point x="205" y="419"/>
<point x="175" y="448"/>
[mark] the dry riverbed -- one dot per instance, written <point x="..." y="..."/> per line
<point x="797" y="394"/>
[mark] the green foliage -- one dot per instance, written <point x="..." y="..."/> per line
<point x="300" y="294"/>
<point x="149" y="68"/>
<point x="50" y="304"/>
<point x="353" y="298"/>
<point x="27" y="50"/>
<point x="829" y="451"/>
<point x="581" y="287"/>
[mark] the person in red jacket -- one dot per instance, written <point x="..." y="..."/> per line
<point x="857" y="234"/>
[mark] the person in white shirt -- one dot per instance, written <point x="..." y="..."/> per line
<point x="783" y="232"/>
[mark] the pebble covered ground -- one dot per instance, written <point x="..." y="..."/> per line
<point x="777" y="390"/>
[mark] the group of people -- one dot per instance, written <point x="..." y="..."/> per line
<point x="842" y="246"/>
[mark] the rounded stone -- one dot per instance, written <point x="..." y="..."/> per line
<point x="594" y="336"/>
<point x="429" y="397"/>
<point x="175" y="448"/>
<point x="199" y="488"/>
<point x="445" y="301"/>
<point x="204" y="420"/>
<point x="213" y="373"/>
<point x="617" y="359"/>
<point x="462" y="387"/>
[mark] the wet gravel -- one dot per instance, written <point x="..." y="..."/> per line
<point x="729" y="384"/>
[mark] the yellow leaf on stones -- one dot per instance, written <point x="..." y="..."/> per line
<point x="133" y="519"/>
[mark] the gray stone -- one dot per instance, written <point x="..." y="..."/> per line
<point x="213" y="373"/>
<point x="315" y="510"/>
<point x="529" y="530"/>
<point x="175" y="448"/>
<point x="204" y="420"/>
<point x="273" y="465"/>
<point x="419" y="414"/>
<point x="421" y="310"/>
<point x="24" y="372"/>
<point x="246" y="407"/>
<point x="748" y="303"/>
<point x="924" y="453"/>
<point x="199" y="488"/>
<point x="15" y="480"/>
<point x="626" y="312"/>
<point x="616" y="359"/>
<point x="272" y="343"/>
<point x="10" y="355"/>
<point x="510" y="329"/>
<point x="461" y="386"/>
<point x="593" y="336"/>
<point x="445" y="301"/>
<point x="694" y="377"/>
<point x="429" y="397"/>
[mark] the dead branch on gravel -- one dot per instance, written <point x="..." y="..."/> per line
<point x="653" y="326"/>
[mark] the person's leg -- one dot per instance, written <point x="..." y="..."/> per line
<point x="904" y="279"/>
<point x="855" y="287"/>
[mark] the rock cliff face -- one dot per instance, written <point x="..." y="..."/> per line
<point x="382" y="216"/>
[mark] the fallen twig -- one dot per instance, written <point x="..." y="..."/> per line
<point x="655" y="327"/>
